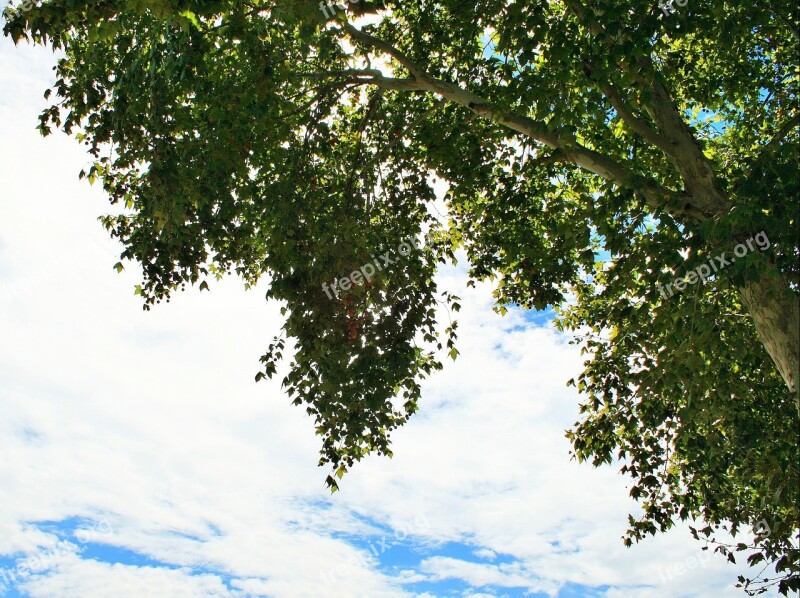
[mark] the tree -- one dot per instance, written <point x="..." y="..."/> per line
<point x="632" y="165"/>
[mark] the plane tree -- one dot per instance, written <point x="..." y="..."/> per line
<point x="633" y="166"/>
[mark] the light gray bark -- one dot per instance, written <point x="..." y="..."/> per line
<point x="776" y="313"/>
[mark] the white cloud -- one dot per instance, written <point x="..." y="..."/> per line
<point x="82" y="577"/>
<point x="480" y="575"/>
<point x="485" y="553"/>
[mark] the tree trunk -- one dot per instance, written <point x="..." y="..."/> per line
<point x="775" y="309"/>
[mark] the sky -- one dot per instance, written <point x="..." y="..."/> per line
<point x="139" y="456"/>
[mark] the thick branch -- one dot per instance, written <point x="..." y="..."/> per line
<point x="658" y="197"/>
<point x="679" y="142"/>
<point x="687" y="155"/>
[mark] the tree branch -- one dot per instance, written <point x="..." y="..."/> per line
<point x="371" y="40"/>
<point x="638" y="125"/>
<point x="658" y="197"/>
<point x="679" y="142"/>
<point x="371" y="77"/>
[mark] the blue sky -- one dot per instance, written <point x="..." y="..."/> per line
<point x="140" y="458"/>
<point x="395" y="550"/>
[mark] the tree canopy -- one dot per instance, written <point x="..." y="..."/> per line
<point x="632" y="165"/>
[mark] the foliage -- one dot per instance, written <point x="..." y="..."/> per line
<point x="592" y="153"/>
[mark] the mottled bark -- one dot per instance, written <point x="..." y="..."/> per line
<point x="776" y="312"/>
